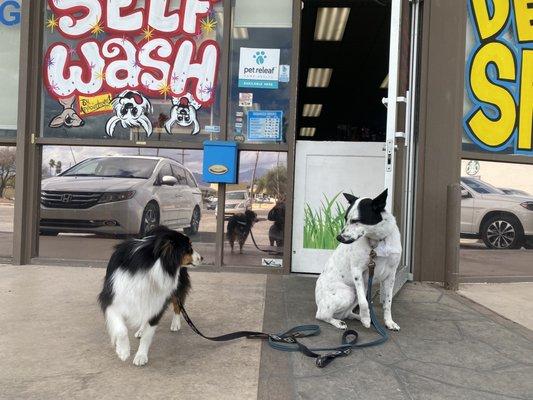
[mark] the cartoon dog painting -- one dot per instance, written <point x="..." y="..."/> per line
<point x="68" y="117"/>
<point x="131" y="109"/>
<point x="183" y="113"/>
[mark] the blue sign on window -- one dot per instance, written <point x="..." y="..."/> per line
<point x="9" y="13"/>
<point x="265" y="125"/>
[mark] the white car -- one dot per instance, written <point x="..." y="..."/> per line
<point x="237" y="202"/>
<point x="502" y="221"/>
<point x="121" y="195"/>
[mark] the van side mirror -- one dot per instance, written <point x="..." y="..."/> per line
<point x="464" y="193"/>
<point x="168" y="180"/>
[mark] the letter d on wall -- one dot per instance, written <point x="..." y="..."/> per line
<point x="490" y="22"/>
<point x="493" y="132"/>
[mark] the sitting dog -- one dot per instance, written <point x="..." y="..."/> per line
<point x="239" y="226"/>
<point x="342" y="284"/>
<point x="131" y="109"/>
<point x="142" y="277"/>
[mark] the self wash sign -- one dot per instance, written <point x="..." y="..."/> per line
<point x="259" y="68"/>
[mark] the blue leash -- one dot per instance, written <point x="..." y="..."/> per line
<point x="277" y="342"/>
<point x="288" y="341"/>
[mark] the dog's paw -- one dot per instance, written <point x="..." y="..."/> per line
<point x="393" y="326"/>
<point x="176" y="323"/>
<point x="139" y="333"/>
<point x="123" y="352"/>
<point x="365" y="322"/>
<point x="339" y="324"/>
<point x="140" y="359"/>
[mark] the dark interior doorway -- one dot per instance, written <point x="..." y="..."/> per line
<point x="343" y="70"/>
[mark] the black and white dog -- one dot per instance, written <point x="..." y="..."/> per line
<point x="143" y="276"/>
<point x="183" y="112"/>
<point x="131" y="109"/>
<point x="342" y="284"/>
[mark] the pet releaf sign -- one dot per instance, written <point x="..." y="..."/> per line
<point x="259" y="68"/>
<point x="118" y="55"/>
<point x="499" y="75"/>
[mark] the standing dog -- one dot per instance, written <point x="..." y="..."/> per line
<point x="239" y="226"/>
<point x="342" y="284"/>
<point x="131" y="109"/>
<point x="142" y="277"/>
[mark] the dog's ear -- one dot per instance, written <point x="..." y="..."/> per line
<point x="350" y="197"/>
<point x="379" y="203"/>
<point x="57" y="121"/>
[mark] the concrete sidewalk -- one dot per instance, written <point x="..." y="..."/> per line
<point x="54" y="345"/>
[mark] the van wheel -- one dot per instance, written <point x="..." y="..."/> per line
<point x="502" y="232"/>
<point x="195" y="223"/>
<point x="150" y="218"/>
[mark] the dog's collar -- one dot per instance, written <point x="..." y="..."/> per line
<point x="242" y="223"/>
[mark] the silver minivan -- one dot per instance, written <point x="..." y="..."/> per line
<point x="121" y="195"/>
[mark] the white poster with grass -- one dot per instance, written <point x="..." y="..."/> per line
<point x="325" y="170"/>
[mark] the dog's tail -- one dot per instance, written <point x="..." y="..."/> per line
<point x="232" y="224"/>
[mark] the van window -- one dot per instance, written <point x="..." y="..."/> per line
<point x="165" y="171"/>
<point x="190" y="180"/>
<point x="179" y="173"/>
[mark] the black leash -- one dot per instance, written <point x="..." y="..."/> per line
<point x="287" y="341"/>
<point x="270" y="252"/>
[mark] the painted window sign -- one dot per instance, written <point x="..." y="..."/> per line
<point x="499" y="75"/>
<point x="119" y="57"/>
<point x="9" y="12"/>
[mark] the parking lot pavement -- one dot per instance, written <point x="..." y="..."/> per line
<point x="6" y="216"/>
<point x="485" y="265"/>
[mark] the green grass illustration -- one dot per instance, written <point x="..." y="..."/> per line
<point x="322" y="226"/>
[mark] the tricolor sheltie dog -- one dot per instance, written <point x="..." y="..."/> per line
<point x="143" y="276"/>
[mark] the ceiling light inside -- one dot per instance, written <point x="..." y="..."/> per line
<point x="240" y="33"/>
<point x="312" y="110"/>
<point x="385" y="83"/>
<point x="307" y="131"/>
<point x="331" y="23"/>
<point x="318" y="77"/>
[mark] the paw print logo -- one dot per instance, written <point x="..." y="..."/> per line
<point x="260" y="57"/>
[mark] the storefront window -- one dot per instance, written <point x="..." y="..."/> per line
<point x="496" y="221"/>
<point x="143" y="72"/>
<point x="7" y="199"/>
<point x="255" y="209"/>
<point x="498" y="103"/>
<point x="92" y="197"/>
<point x="260" y="63"/>
<point x="9" y="66"/>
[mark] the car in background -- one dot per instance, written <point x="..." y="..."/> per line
<point x="502" y="221"/>
<point x="237" y="202"/>
<point x="121" y="195"/>
<point x="514" y="192"/>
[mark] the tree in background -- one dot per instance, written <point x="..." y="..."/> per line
<point x="52" y="164"/>
<point x="59" y="167"/>
<point x="274" y="182"/>
<point x="7" y="169"/>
